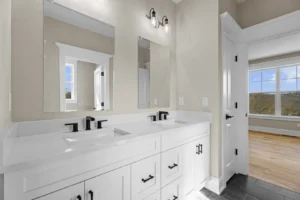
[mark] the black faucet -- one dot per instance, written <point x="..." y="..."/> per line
<point x="88" y="120"/>
<point x="162" y="113"/>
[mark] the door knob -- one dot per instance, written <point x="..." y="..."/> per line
<point x="229" y="116"/>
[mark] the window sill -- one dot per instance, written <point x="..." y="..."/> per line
<point x="280" y="118"/>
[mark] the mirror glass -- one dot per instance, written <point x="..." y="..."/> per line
<point x="78" y="61"/>
<point x="153" y="75"/>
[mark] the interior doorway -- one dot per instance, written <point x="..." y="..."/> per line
<point x="267" y="93"/>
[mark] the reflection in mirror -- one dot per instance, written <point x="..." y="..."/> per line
<point x="78" y="61"/>
<point x="153" y="75"/>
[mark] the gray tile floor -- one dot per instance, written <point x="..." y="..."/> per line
<point x="241" y="187"/>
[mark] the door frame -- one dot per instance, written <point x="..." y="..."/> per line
<point x="243" y="38"/>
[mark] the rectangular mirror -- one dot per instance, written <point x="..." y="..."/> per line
<point x="153" y="75"/>
<point x="78" y="61"/>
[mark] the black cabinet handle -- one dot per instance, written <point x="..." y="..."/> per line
<point x="148" y="179"/>
<point x="198" y="149"/>
<point x="175" y="197"/>
<point x="201" y="148"/>
<point x="228" y="117"/>
<point x="175" y="165"/>
<point x="78" y="197"/>
<point x="91" y="193"/>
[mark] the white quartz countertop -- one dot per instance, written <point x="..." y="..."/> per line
<point x="44" y="147"/>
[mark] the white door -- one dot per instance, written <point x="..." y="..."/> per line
<point x="114" y="185"/>
<point x="75" y="192"/>
<point x="144" y="88"/>
<point x="229" y="130"/>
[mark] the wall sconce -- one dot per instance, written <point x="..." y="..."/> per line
<point x="156" y="24"/>
<point x="152" y="18"/>
<point x="165" y="23"/>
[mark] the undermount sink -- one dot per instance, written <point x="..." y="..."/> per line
<point x="97" y="137"/>
<point x="170" y="122"/>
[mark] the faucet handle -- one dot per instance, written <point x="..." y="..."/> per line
<point x="153" y="118"/>
<point x="99" y="123"/>
<point x="74" y="125"/>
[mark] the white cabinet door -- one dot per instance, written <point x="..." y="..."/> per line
<point x="75" y="192"/>
<point x="189" y="156"/>
<point x="196" y="162"/>
<point x="155" y="196"/>
<point x="114" y="185"/>
<point x="202" y="161"/>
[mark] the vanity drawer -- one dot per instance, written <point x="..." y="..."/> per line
<point x="155" y="196"/>
<point x="145" y="177"/>
<point x="172" y="191"/>
<point x="171" y="165"/>
<point x="174" y="138"/>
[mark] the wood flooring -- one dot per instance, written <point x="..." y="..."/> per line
<point x="275" y="159"/>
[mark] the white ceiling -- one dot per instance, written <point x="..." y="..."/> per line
<point x="238" y="1"/>
<point x="68" y="16"/>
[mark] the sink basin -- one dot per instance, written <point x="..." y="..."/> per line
<point x="97" y="137"/>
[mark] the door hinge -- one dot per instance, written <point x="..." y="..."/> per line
<point x="102" y="73"/>
<point x="236" y="152"/>
<point x="236" y="58"/>
<point x="236" y="105"/>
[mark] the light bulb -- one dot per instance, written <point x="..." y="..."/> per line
<point x="167" y="28"/>
<point x="153" y="22"/>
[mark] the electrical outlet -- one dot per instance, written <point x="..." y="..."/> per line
<point x="181" y="101"/>
<point x="205" y="102"/>
<point x="155" y="101"/>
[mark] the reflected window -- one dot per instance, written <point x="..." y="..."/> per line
<point x="70" y="84"/>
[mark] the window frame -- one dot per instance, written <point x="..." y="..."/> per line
<point x="275" y="65"/>
<point x="73" y="64"/>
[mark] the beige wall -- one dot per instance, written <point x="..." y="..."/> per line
<point x="27" y="52"/>
<point x="5" y="70"/>
<point x="71" y="35"/>
<point x="229" y="6"/>
<point x="252" y="12"/>
<point x="279" y="124"/>
<point x="198" y="64"/>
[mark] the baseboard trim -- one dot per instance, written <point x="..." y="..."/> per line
<point x="275" y="131"/>
<point x="215" y="185"/>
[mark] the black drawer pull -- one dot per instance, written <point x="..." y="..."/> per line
<point x="174" y="198"/>
<point x="148" y="179"/>
<point x="201" y="148"/>
<point x="91" y="193"/>
<point x="175" y="165"/>
<point x="78" y="197"/>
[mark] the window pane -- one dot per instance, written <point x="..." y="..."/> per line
<point x="288" y="85"/>
<point x="269" y="86"/>
<point x="254" y="87"/>
<point x="288" y="72"/>
<point x="269" y="75"/>
<point x="290" y="104"/>
<point x="68" y="88"/>
<point x="254" y="76"/>
<point x="68" y="73"/>
<point x="298" y="72"/>
<point x="263" y="103"/>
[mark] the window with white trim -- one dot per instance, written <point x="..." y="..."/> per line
<point x="70" y="85"/>
<point x="275" y="91"/>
